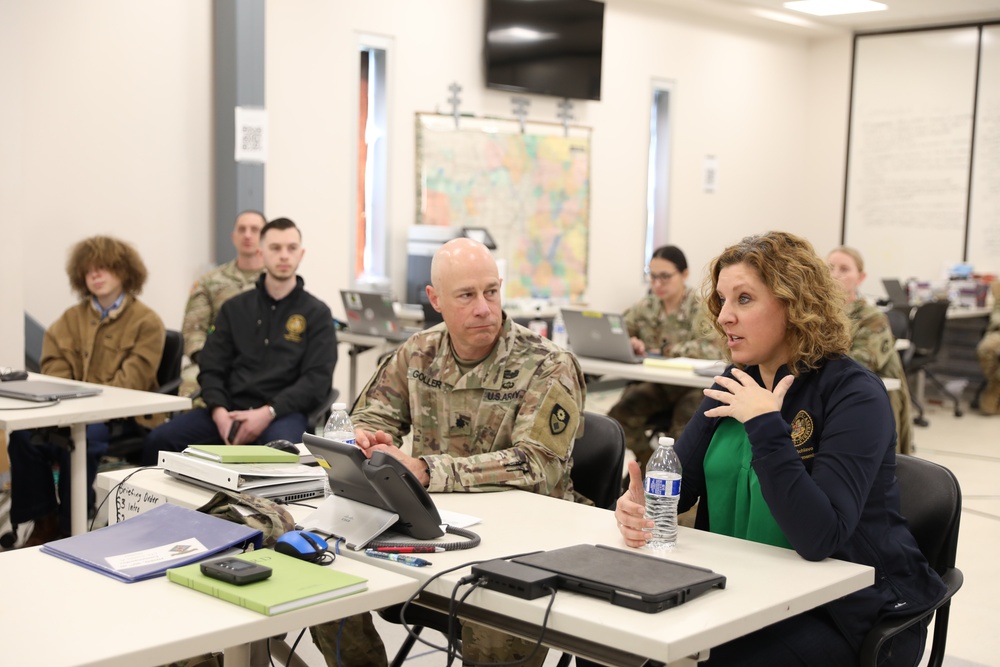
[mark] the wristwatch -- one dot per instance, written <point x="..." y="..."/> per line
<point x="274" y="413"/>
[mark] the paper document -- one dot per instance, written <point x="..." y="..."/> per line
<point x="686" y="363"/>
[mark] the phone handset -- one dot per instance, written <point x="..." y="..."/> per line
<point x="407" y="497"/>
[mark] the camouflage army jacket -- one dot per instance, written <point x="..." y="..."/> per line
<point x="509" y="422"/>
<point x="679" y="334"/>
<point x="874" y="346"/>
<point x="994" y="324"/>
<point x="207" y="296"/>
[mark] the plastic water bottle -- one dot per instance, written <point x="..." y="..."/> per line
<point x="559" y="336"/>
<point x="663" y="490"/>
<point x="339" y="426"/>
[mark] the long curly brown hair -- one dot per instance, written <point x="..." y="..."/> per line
<point x="105" y="252"/>
<point x="792" y="271"/>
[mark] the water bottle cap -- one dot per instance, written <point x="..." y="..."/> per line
<point x="339" y="406"/>
<point x="664" y="440"/>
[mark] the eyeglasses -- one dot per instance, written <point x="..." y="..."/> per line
<point x="659" y="277"/>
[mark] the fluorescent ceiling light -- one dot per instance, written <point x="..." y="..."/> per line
<point x="834" y="7"/>
<point x="518" y="35"/>
<point x="781" y="17"/>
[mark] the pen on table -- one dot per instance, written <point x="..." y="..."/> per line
<point x="399" y="558"/>
<point x="410" y="550"/>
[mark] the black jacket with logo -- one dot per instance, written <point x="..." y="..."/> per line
<point x="826" y="465"/>
<point x="263" y="351"/>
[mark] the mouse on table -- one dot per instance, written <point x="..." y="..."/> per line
<point x="302" y="544"/>
<point x="283" y="445"/>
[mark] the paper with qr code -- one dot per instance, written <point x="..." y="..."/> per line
<point x="251" y="134"/>
<point x="162" y="554"/>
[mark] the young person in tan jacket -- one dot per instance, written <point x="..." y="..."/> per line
<point x="110" y="338"/>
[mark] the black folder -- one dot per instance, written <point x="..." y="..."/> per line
<point x="625" y="578"/>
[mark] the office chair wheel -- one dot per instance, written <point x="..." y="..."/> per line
<point x="958" y="411"/>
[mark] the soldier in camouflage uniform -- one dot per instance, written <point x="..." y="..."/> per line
<point x="989" y="358"/>
<point x="218" y="286"/>
<point x="666" y="321"/>
<point x="873" y="346"/>
<point x="491" y="405"/>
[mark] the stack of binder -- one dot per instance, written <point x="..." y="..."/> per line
<point x="285" y="482"/>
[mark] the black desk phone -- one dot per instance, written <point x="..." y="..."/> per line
<point x="381" y="481"/>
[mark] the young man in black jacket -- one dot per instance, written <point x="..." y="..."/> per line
<point x="267" y="362"/>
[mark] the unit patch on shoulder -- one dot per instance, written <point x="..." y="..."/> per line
<point x="558" y="419"/>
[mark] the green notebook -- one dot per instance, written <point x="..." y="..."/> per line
<point x="293" y="583"/>
<point x="241" y="454"/>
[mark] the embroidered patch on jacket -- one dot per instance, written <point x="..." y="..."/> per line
<point x="558" y="419"/>
<point x="802" y="430"/>
<point x="294" y="328"/>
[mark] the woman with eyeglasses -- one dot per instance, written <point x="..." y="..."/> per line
<point x="664" y="322"/>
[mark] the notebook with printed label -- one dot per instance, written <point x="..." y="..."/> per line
<point x="40" y="391"/>
<point x="372" y="314"/>
<point x="599" y="335"/>
<point x="625" y="578"/>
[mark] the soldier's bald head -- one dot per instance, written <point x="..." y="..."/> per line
<point x="465" y="253"/>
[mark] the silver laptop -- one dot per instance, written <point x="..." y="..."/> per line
<point x="372" y="314"/>
<point x="599" y="335"/>
<point x="40" y="391"/>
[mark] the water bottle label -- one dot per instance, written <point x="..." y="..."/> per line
<point x="660" y="486"/>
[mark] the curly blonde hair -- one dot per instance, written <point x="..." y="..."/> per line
<point x="792" y="271"/>
<point x="105" y="252"/>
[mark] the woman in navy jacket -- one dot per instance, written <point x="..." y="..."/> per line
<point x="795" y="446"/>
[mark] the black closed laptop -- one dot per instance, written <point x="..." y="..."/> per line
<point x="625" y="578"/>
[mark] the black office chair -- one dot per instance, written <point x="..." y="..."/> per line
<point x="317" y="416"/>
<point x="899" y="322"/>
<point x="168" y="377"/>
<point x="931" y="501"/>
<point x="926" y="331"/>
<point x="598" y="461"/>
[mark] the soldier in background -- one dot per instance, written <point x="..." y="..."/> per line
<point x="218" y="286"/>
<point x="267" y="363"/>
<point x="989" y="358"/>
<point x="873" y="345"/>
<point x="667" y="321"/>
<point x="491" y="405"/>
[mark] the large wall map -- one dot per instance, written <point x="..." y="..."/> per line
<point x="530" y="190"/>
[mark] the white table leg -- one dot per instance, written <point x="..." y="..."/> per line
<point x="78" y="479"/>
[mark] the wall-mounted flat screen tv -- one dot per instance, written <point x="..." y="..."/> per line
<point x="550" y="47"/>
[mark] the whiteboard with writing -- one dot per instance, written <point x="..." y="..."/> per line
<point x="911" y="150"/>
<point x="984" y="209"/>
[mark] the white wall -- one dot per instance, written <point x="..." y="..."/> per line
<point x="11" y="202"/>
<point x="116" y="132"/>
<point x="741" y="93"/>
<point x="116" y="140"/>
